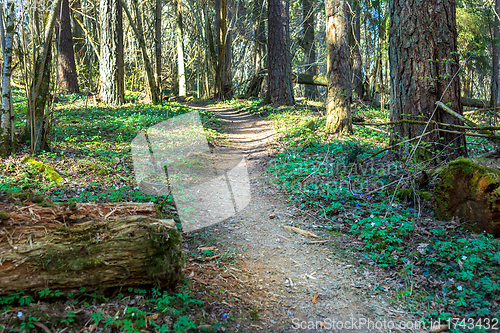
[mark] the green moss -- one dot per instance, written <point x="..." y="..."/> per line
<point x="22" y="195"/>
<point x="47" y="170"/>
<point x="164" y="249"/>
<point x="3" y="216"/>
<point x="473" y="171"/>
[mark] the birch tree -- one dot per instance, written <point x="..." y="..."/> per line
<point x="7" y="137"/>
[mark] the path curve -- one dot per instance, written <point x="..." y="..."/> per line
<point x="326" y="273"/>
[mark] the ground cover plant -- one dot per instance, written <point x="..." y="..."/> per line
<point x="452" y="271"/>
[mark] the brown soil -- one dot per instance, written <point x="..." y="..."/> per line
<point x="269" y="278"/>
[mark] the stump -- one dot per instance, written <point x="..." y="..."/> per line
<point x="88" y="245"/>
<point x="469" y="189"/>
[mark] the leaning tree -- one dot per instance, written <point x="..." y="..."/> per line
<point x="424" y="70"/>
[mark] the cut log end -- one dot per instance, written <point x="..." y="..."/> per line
<point x="470" y="190"/>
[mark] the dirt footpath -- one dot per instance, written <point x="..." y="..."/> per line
<point x="256" y="275"/>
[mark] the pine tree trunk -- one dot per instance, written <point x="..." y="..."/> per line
<point x="280" y="86"/>
<point x="308" y="45"/>
<point x="223" y="77"/>
<point x="7" y="115"/>
<point x="424" y="65"/>
<point x="68" y="80"/>
<point x="179" y="37"/>
<point x="495" y="45"/>
<point x="339" y="76"/>
<point x="111" y="67"/>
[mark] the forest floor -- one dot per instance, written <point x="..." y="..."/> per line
<point x="381" y="262"/>
<point x="279" y="280"/>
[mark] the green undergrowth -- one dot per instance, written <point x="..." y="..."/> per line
<point x="448" y="272"/>
<point x="91" y="155"/>
<point x="127" y="310"/>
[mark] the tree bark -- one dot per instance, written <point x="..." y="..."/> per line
<point x="223" y="77"/>
<point x="355" y="54"/>
<point x="424" y="65"/>
<point x="68" y="80"/>
<point x="67" y="250"/>
<point x="338" y="106"/>
<point x="158" y="45"/>
<point x="111" y="66"/>
<point x="179" y="37"/>
<point x="495" y="46"/>
<point x="308" y="45"/>
<point x="7" y="136"/>
<point x="280" y="86"/>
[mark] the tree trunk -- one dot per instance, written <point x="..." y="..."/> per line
<point x="179" y="37"/>
<point x="338" y="106"/>
<point x="355" y="54"/>
<point x="68" y="248"/>
<point x="223" y="77"/>
<point x="68" y="80"/>
<point x="280" y="86"/>
<point x="111" y="67"/>
<point x="35" y="124"/>
<point x="424" y="64"/>
<point x="495" y="46"/>
<point x="260" y="37"/>
<point x="7" y="136"/>
<point x="308" y="45"/>
<point x="158" y="45"/>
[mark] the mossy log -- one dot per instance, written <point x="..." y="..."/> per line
<point x="96" y="253"/>
<point x="470" y="190"/>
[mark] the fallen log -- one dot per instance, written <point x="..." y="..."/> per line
<point x="470" y="189"/>
<point x="88" y="245"/>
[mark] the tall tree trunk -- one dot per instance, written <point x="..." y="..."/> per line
<point x="111" y="65"/>
<point x="68" y="80"/>
<point x="495" y="46"/>
<point x="279" y="62"/>
<point x="179" y="37"/>
<point x="223" y="75"/>
<point x="355" y="54"/>
<point x="7" y="137"/>
<point x="421" y="36"/>
<point x="260" y="37"/>
<point x="338" y="107"/>
<point x="158" y="44"/>
<point x="308" y="45"/>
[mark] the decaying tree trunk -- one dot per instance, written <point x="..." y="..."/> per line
<point x="91" y="246"/>
<point x="470" y="190"/>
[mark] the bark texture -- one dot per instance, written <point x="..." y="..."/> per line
<point x="158" y="45"/>
<point x="338" y="106"/>
<point x="111" y="66"/>
<point x="69" y="248"/>
<point x="280" y="87"/>
<point x="7" y="143"/>
<point x="308" y="45"/>
<point x="495" y="46"/>
<point x="223" y="77"/>
<point x="424" y="63"/>
<point x="355" y="54"/>
<point x="179" y="37"/>
<point x="68" y="80"/>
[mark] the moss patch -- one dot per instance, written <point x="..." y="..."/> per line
<point x="47" y="170"/>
